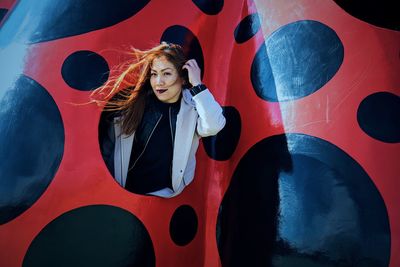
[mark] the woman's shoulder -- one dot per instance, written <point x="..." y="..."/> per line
<point x="187" y="97"/>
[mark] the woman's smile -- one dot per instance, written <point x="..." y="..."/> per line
<point x="161" y="91"/>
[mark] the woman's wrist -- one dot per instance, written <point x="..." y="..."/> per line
<point x="197" y="89"/>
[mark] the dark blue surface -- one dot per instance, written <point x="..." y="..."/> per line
<point x="85" y="70"/>
<point x="379" y="116"/>
<point x="210" y="7"/>
<point x="296" y="61"/>
<point x="31" y="145"/>
<point x="182" y="36"/>
<point x="3" y="12"/>
<point x="92" y="236"/>
<point x="222" y="145"/>
<point x="384" y="14"/>
<point x="183" y="225"/>
<point x="50" y="20"/>
<point x="297" y="200"/>
<point x="247" y="28"/>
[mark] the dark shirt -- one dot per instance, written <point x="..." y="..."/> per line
<point x="150" y="165"/>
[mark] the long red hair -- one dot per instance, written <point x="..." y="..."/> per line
<point x="129" y="90"/>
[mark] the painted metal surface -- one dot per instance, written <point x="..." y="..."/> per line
<point x="304" y="174"/>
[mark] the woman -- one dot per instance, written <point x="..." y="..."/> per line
<point x="163" y="111"/>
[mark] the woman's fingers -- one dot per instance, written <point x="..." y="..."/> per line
<point x="194" y="71"/>
<point x="195" y="63"/>
<point x="192" y="63"/>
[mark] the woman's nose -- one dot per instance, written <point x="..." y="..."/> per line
<point x="159" y="80"/>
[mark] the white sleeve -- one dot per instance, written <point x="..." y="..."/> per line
<point x="210" y="120"/>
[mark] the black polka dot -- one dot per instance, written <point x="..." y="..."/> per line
<point x="97" y="235"/>
<point x="183" y="225"/>
<point x="296" y="60"/>
<point x="210" y="7"/>
<point x="3" y="12"/>
<point x="69" y="19"/>
<point x="222" y="145"/>
<point x="379" y="116"/>
<point x="380" y="13"/>
<point x="182" y="36"/>
<point x="297" y="200"/>
<point x="85" y="70"/>
<point x="31" y="145"/>
<point x="247" y="28"/>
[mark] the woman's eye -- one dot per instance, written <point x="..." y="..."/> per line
<point x="167" y="73"/>
<point x="153" y="74"/>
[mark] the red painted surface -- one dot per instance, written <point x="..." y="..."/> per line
<point x="330" y="114"/>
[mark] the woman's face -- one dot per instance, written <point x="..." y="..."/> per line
<point x="165" y="80"/>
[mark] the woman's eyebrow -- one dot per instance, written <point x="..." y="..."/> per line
<point x="162" y="69"/>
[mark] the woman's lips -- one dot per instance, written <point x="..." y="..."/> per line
<point x="160" y="91"/>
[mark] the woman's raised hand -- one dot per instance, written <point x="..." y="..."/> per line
<point x="194" y="72"/>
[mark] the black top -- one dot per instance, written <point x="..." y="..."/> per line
<point x="150" y="165"/>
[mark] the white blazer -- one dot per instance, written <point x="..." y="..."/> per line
<point x="199" y="116"/>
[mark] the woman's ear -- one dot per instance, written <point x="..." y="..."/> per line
<point x="185" y="78"/>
